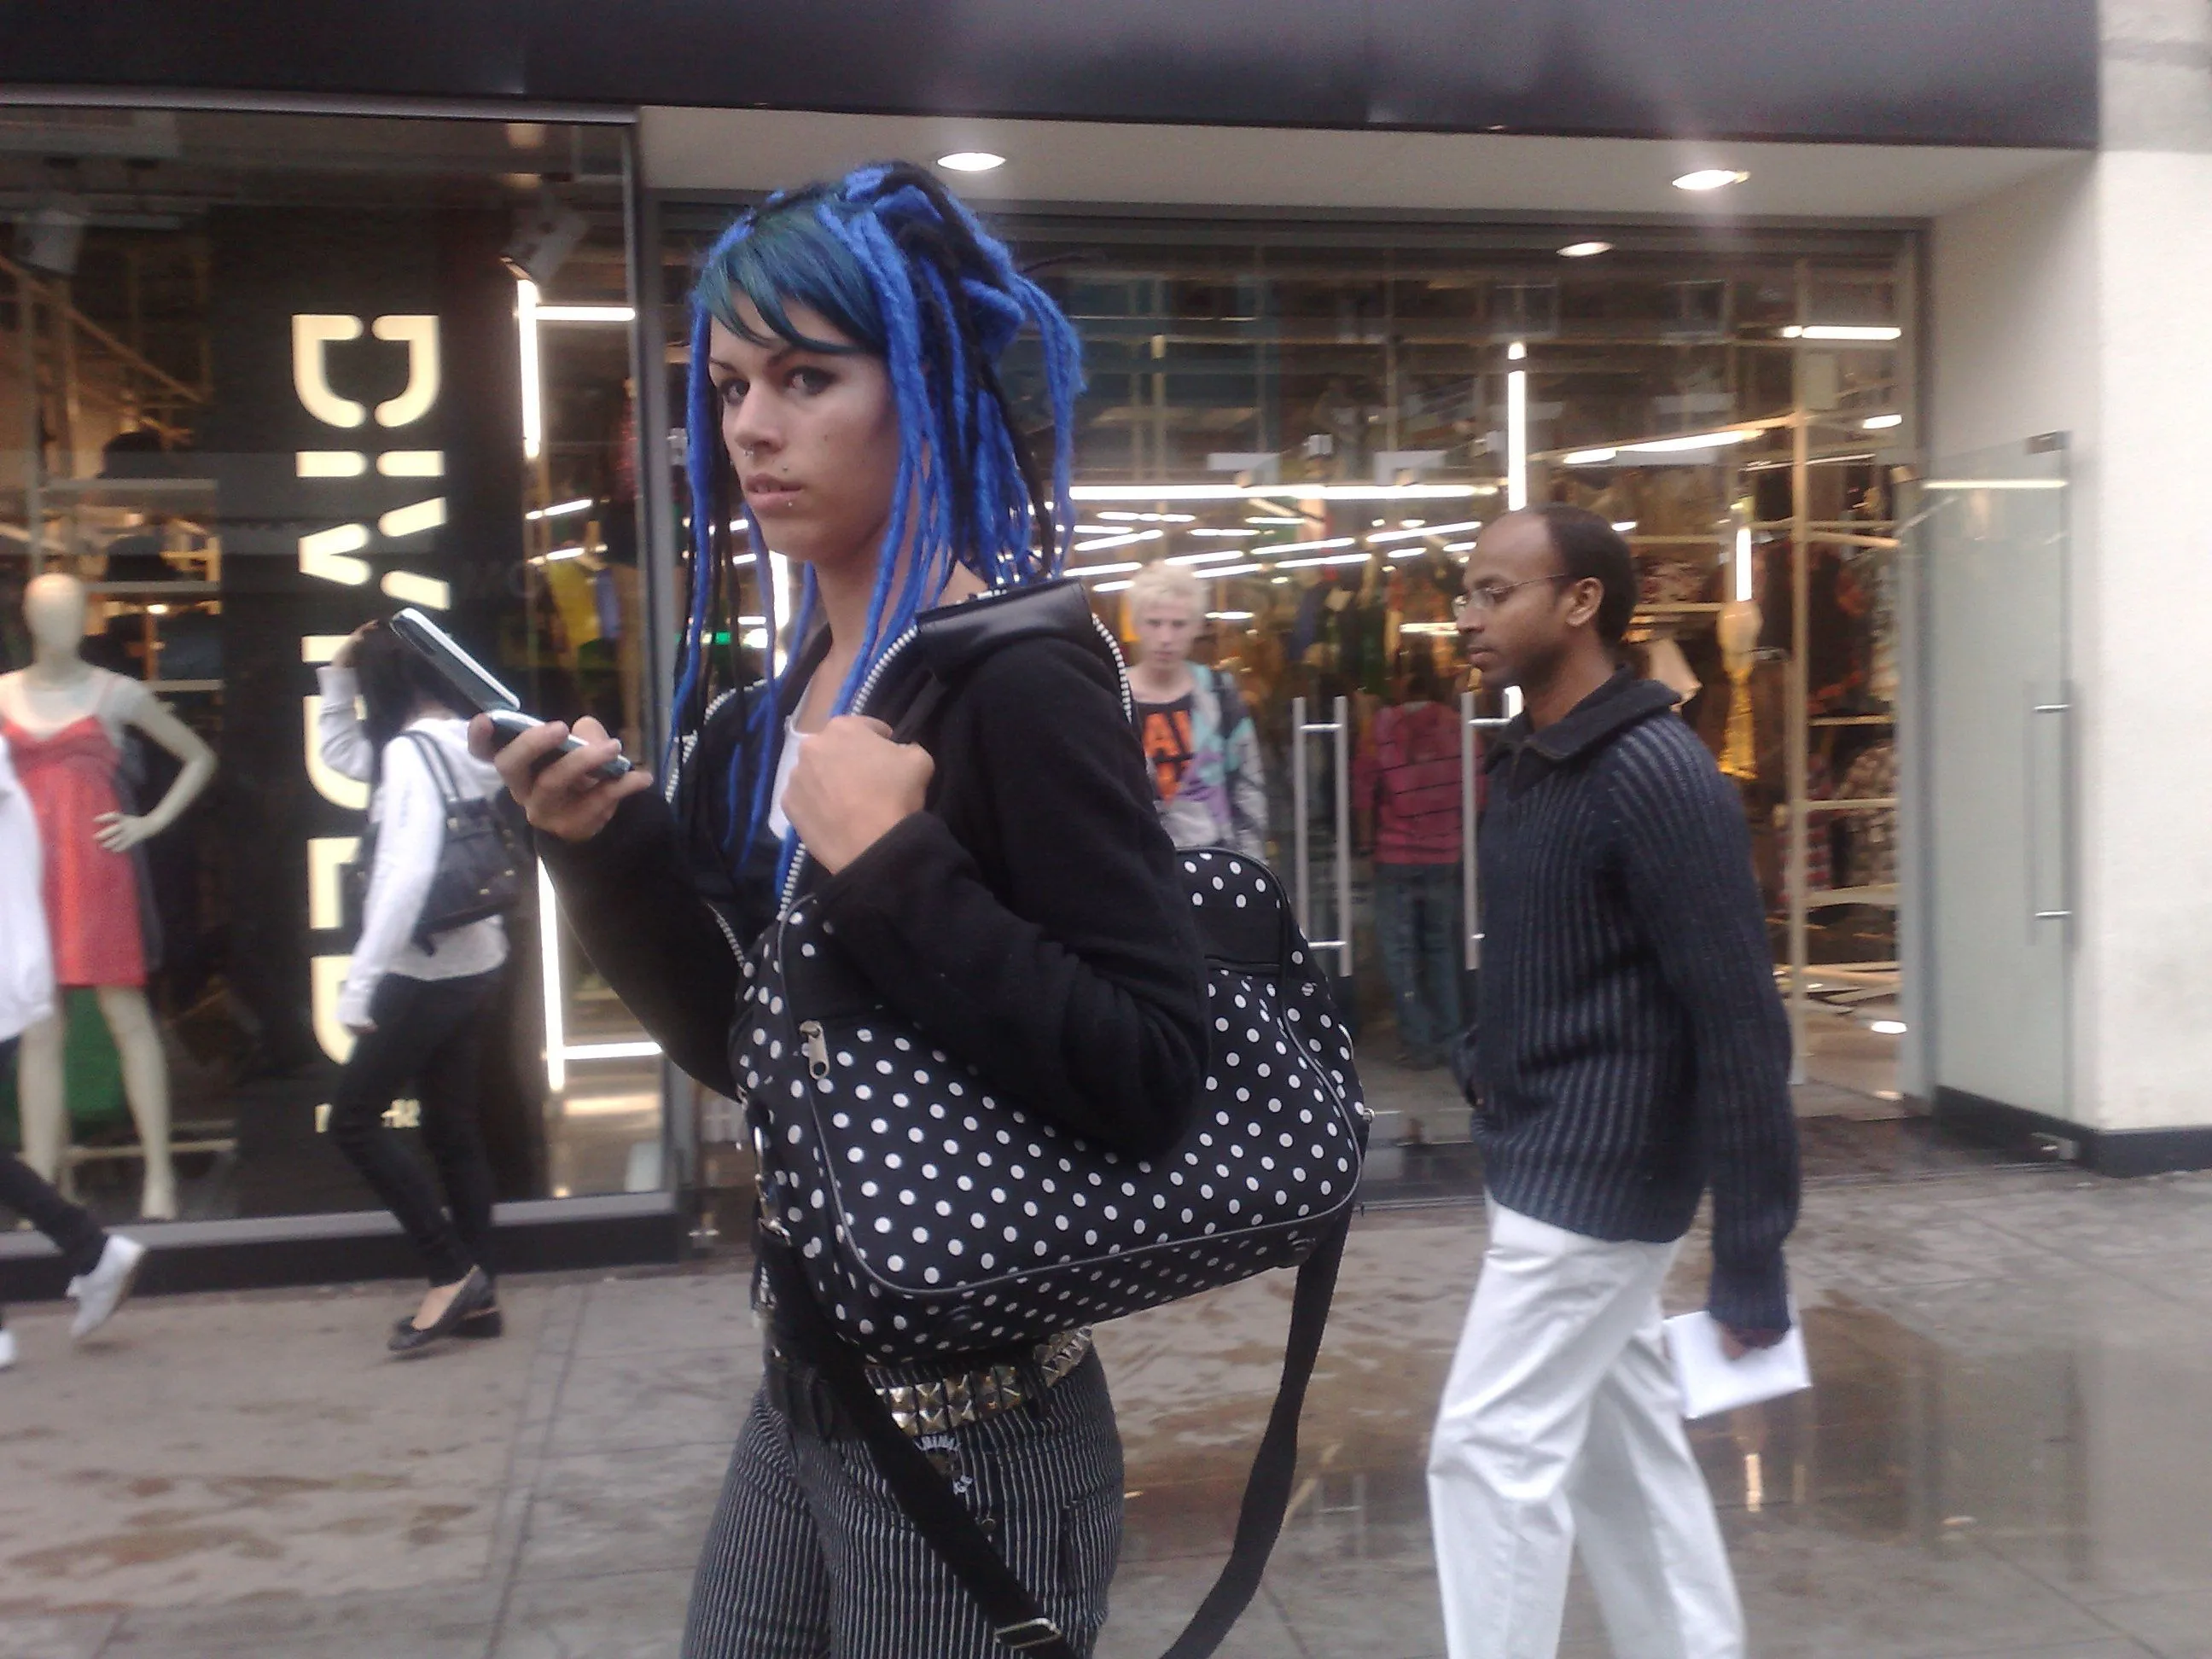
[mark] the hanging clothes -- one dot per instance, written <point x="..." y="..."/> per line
<point x="26" y="962"/>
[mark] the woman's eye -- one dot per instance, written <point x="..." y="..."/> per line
<point x="732" y="392"/>
<point x="809" y="379"/>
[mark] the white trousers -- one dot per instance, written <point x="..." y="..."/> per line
<point x="1562" y="1424"/>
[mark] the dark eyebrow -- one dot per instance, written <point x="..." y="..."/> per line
<point x="774" y="358"/>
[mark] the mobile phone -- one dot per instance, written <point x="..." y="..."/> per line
<point x="476" y="685"/>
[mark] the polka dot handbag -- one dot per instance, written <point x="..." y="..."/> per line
<point x="933" y="1216"/>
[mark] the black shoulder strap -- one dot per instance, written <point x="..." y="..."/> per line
<point x="440" y="769"/>
<point x="936" y="1511"/>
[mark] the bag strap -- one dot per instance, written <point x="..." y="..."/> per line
<point x="440" y="769"/>
<point x="929" y="1501"/>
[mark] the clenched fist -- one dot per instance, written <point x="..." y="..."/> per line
<point x="851" y="787"/>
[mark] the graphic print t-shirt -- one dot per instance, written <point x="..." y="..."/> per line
<point x="1164" y="728"/>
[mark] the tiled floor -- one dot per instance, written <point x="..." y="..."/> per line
<point x="2005" y="1453"/>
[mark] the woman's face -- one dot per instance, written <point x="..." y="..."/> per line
<point x="813" y="437"/>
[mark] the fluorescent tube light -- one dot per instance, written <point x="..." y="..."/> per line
<point x="1692" y="441"/>
<point x="1320" y="558"/>
<point x="1517" y="439"/>
<point x="1841" y="332"/>
<point x="1584" y="250"/>
<point x="1425" y="530"/>
<point x="1706" y="178"/>
<point x="559" y="509"/>
<point x="1587" y="457"/>
<point x="971" y="161"/>
<point x="1122" y="540"/>
<point x="1880" y="423"/>
<point x="1273" y="548"/>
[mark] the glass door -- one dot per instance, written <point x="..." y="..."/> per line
<point x="1990" y="530"/>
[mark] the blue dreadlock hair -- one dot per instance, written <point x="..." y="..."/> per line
<point x="894" y="261"/>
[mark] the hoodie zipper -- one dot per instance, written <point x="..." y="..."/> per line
<point x="859" y="707"/>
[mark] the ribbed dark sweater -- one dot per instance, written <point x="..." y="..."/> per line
<point x="1630" y="1047"/>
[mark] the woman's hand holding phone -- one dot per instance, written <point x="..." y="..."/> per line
<point x="559" y="794"/>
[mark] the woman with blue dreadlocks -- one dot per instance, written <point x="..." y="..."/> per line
<point x="1001" y="881"/>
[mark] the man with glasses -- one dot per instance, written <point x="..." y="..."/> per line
<point x="1629" y="1050"/>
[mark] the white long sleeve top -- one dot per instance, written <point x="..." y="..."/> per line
<point x="26" y="962"/>
<point x="409" y="817"/>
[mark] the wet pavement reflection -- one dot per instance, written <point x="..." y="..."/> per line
<point x="2005" y="1453"/>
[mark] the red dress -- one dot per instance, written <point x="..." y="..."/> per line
<point x="91" y="894"/>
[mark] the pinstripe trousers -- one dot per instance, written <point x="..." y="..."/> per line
<point x="809" y="1557"/>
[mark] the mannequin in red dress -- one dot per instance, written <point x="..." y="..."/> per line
<point x="63" y="718"/>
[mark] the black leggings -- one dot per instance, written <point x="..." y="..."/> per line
<point x="427" y="1030"/>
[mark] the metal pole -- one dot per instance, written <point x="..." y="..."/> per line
<point x="1343" y="741"/>
<point x="1797" y="713"/>
<point x="35" y="504"/>
<point x="1301" y="870"/>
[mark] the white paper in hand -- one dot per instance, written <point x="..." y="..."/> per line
<point x="1711" y="1381"/>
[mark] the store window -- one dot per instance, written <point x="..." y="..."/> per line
<point x="1315" y="420"/>
<point x="262" y="378"/>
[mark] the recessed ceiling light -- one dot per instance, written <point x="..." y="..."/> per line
<point x="1584" y="250"/>
<point x="1881" y="422"/>
<point x="1711" y="178"/>
<point x="971" y="161"/>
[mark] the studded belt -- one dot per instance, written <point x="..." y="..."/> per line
<point x="932" y="1405"/>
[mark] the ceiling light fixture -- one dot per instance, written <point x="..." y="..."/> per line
<point x="1229" y="616"/>
<point x="1122" y="540"/>
<point x="1229" y="532"/>
<point x="1273" y="548"/>
<point x="1880" y="423"/>
<point x="1262" y="517"/>
<point x="1584" y="250"/>
<point x="1691" y="440"/>
<point x="1227" y="570"/>
<point x="1226" y="553"/>
<point x="1842" y="331"/>
<point x="1888" y="1027"/>
<point x="1624" y="525"/>
<point x="1587" y="457"/>
<point x="1706" y="178"/>
<point x="1425" y="530"/>
<point x="1087" y="570"/>
<point x="559" y="509"/>
<point x="1322" y="558"/>
<point x="1459" y="547"/>
<point x="1271" y="493"/>
<point x="971" y="161"/>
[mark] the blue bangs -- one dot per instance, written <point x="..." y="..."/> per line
<point x="787" y="259"/>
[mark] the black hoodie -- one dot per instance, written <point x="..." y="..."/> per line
<point x="1029" y="919"/>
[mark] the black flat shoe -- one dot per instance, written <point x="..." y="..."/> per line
<point x="482" y="1323"/>
<point x="474" y="1296"/>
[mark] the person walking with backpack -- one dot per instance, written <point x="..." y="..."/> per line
<point x="1196" y="732"/>
<point x="1001" y="886"/>
<point x="1629" y="1051"/>
<point x="414" y="1001"/>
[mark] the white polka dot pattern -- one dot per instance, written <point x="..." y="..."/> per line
<point x="933" y="1217"/>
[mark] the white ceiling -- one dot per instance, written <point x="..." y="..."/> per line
<point x="1306" y="168"/>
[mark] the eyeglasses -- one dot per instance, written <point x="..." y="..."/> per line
<point x="1487" y="597"/>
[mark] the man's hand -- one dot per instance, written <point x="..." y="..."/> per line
<point x="564" y="798"/>
<point x="852" y="786"/>
<point x="1736" y="1342"/>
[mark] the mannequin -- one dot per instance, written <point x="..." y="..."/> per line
<point x="63" y="720"/>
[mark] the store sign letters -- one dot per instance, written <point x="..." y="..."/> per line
<point x="331" y="553"/>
